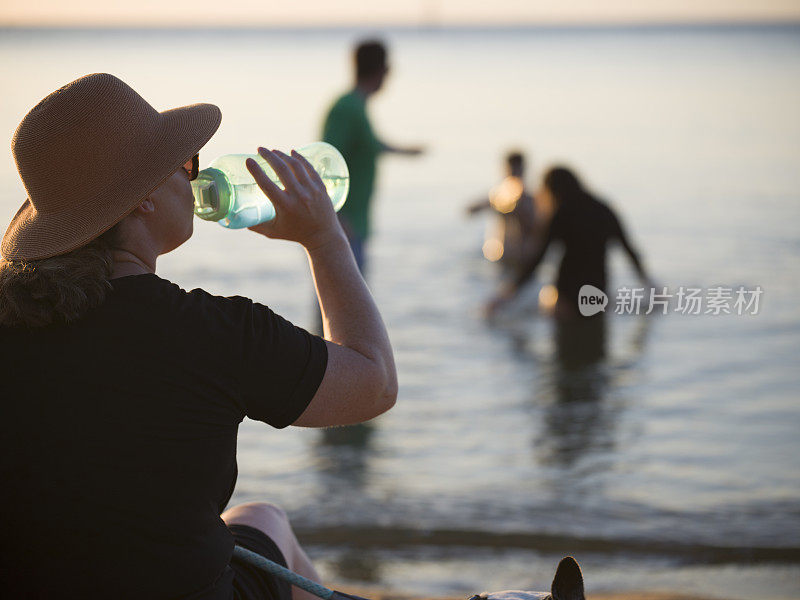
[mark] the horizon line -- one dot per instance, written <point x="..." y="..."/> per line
<point x="476" y="27"/>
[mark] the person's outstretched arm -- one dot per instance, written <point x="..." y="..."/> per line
<point x="360" y="380"/>
<point x="632" y="254"/>
<point x="478" y="206"/>
<point x="509" y="289"/>
<point x="405" y="150"/>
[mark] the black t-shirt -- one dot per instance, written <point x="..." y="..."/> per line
<point x="118" y="439"/>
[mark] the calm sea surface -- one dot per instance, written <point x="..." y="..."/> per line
<point x="672" y="463"/>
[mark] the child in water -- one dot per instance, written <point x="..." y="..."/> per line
<point x="511" y="239"/>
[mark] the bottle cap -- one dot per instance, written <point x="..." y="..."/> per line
<point x="212" y="195"/>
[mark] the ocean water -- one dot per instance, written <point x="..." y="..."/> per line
<point x="669" y="463"/>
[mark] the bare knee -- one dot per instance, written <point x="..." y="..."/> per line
<point x="261" y="515"/>
<point x="269" y="519"/>
<point x="272" y="520"/>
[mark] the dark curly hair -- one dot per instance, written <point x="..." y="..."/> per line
<point x="59" y="289"/>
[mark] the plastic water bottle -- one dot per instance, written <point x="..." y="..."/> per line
<point x="227" y="193"/>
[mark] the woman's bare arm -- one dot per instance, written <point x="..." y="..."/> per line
<point x="360" y="381"/>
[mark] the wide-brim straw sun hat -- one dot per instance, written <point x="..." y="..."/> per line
<point x="88" y="155"/>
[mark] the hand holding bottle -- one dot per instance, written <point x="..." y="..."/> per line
<point x="226" y="192"/>
<point x="304" y="212"/>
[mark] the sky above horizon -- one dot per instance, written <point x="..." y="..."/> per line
<point x="410" y="12"/>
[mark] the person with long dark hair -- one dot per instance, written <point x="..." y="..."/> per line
<point x="585" y="226"/>
<point x="122" y="394"/>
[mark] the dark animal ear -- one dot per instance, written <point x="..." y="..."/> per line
<point x="568" y="582"/>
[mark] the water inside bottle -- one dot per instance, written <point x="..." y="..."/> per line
<point x="249" y="208"/>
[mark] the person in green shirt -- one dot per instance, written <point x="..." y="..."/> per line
<point x="348" y="128"/>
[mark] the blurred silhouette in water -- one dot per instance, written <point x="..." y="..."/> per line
<point x="342" y="457"/>
<point x="347" y="126"/>
<point x="584" y="225"/>
<point x="578" y="390"/>
<point x="580" y="343"/>
<point x="511" y="238"/>
<point x="580" y="419"/>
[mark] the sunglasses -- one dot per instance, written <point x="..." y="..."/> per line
<point x="192" y="167"/>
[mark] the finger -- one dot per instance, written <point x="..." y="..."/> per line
<point x="310" y="171"/>
<point x="278" y="163"/>
<point x="296" y="167"/>
<point x="266" y="229"/>
<point x="266" y="184"/>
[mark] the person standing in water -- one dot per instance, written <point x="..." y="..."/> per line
<point x="348" y="127"/>
<point x="512" y="238"/>
<point x="585" y="226"/>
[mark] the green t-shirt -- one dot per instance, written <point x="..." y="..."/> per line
<point x="347" y="127"/>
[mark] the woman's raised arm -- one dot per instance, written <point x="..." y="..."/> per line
<point x="360" y="381"/>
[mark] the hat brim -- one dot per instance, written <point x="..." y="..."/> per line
<point x="181" y="133"/>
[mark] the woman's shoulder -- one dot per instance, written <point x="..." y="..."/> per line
<point x="153" y="304"/>
<point x="157" y="289"/>
<point x="132" y="283"/>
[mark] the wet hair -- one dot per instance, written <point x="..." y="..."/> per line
<point x="370" y="58"/>
<point x="564" y="185"/>
<point x="515" y="161"/>
<point x="60" y="289"/>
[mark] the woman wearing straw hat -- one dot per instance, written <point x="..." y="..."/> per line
<point x="121" y="394"/>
